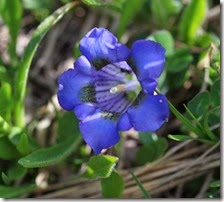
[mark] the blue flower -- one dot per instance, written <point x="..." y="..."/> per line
<point x="112" y="88"/>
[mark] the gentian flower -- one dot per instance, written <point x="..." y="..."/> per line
<point x="112" y="88"/>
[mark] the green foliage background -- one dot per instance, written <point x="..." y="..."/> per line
<point x="191" y="81"/>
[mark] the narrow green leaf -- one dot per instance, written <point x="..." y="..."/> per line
<point x="52" y="155"/>
<point x="5" y="101"/>
<point x="11" y="12"/>
<point x="13" y="192"/>
<point x="206" y="141"/>
<point x="7" y="151"/>
<point x="100" y="166"/>
<point x="143" y="190"/>
<point x="112" y="186"/>
<point x="129" y="10"/>
<point x="180" y="137"/>
<point x="184" y="120"/>
<point x="191" y="19"/>
<point x="112" y="4"/>
<point x="29" y="52"/>
<point x="94" y="2"/>
<point x="196" y="120"/>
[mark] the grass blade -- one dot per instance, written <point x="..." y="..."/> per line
<point x="185" y="121"/>
<point x="144" y="192"/>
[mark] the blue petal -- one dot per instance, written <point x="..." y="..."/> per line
<point x="70" y="83"/>
<point x="149" y="59"/>
<point x="99" y="43"/>
<point x="98" y="132"/>
<point x="124" y="122"/>
<point x="148" y="85"/>
<point x="122" y="53"/>
<point x="150" y="113"/>
<point x="83" y="65"/>
<point x="84" y="110"/>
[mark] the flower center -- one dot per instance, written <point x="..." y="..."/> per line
<point x="116" y="87"/>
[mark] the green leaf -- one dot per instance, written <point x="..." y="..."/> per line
<point x="176" y="80"/>
<point x="206" y="141"/>
<point x="14" y="192"/>
<point x="5" y="179"/>
<point x="154" y="150"/>
<point x="5" y="101"/>
<point x="129" y="10"/>
<point x="143" y="190"/>
<point x="216" y="183"/>
<point x="3" y="74"/>
<point x="23" y="145"/>
<point x="94" y="2"/>
<point x="179" y="60"/>
<point x="51" y="155"/>
<point x="191" y="19"/>
<point x="7" y="151"/>
<point x="214" y="116"/>
<point x="204" y="40"/>
<point x="15" y="137"/>
<point x="4" y="126"/>
<point x="165" y="38"/>
<point x="100" y="166"/>
<point x="112" y="186"/>
<point x="40" y="4"/>
<point x="11" y="12"/>
<point x="16" y="172"/>
<point x="215" y="93"/>
<point x="180" y="137"/>
<point x="209" y="133"/>
<point x="68" y="125"/>
<point x="29" y="52"/>
<point x="162" y="10"/>
<point x="112" y="4"/>
<point x="199" y="104"/>
<point x="147" y="138"/>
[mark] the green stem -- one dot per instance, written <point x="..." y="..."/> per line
<point x="24" y="66"/>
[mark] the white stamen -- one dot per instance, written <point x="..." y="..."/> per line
<point x="160" y="101"/>
<point x="113" y="90"/>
